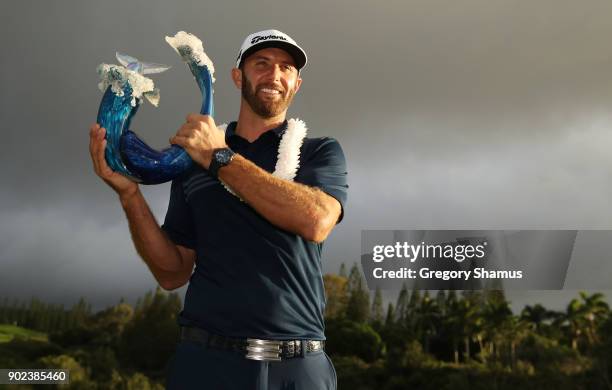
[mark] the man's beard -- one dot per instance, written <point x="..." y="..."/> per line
<point x="265" y="108"/>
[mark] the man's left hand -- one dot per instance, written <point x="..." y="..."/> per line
<point x="199" y="136"/>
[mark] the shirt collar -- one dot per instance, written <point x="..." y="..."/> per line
<point x="279" y="130"/>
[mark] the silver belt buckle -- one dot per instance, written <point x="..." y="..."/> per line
<point x="258" y="349"/>
<point x="314" y="345"/>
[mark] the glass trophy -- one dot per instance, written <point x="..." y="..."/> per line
<point x="124" y="88"/>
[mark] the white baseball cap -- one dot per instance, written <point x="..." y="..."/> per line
<point x="271" y="38"/>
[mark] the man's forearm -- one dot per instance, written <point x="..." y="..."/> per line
<point x="294" y="207"/>
<point x="152" y="244"/>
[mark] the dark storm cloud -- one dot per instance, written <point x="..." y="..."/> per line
<point x="472" y="114"/>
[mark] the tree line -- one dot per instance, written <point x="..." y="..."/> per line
<point x="423" y="339"/>
<point x="471" y="339"/>
<point x="122" y="347"/>
<point x="41" y="316"/>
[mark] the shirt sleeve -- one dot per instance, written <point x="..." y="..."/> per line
<point x="178" y="224"/>
<point x="325" y="168"/>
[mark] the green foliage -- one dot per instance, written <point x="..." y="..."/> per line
<point x="23" y="353"/>
<point x="91" y="344"/>
<point x="390" y="319"/>
<point x="355" y="374"/>
<point x="603" y="352"/>
<point x="377" y="314"/>
<point x="401" y="306"/>
<point x="336" y="293"/>
<point x="347" y="337"/>
<point x="470" y="340"/>
<point x="154" y="320"/>
<point x="547" y="354"/>
<point x="358" y="308"/>
<point x="37" y="315"/>
<point x="73" y="337"/>
<point x="139" y="381"/>
<point x="66" y="362"/>
<point x="413" y="356"/>
<point x="102" y="362"/>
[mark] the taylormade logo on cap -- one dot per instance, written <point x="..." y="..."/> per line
<point x="271" y="38"/>
<point x="258" y="38"/>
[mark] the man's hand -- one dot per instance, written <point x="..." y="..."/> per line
<point x="123" y="186"/>
<point x="199" y="136"/>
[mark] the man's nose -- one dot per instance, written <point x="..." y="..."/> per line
<point x="275" y="72"/>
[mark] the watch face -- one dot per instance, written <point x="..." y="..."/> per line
<point x="223" y="156"/>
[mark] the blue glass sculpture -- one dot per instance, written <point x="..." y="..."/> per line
<point x="124" y="88"/>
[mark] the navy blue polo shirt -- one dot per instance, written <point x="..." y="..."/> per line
<point x="253" y="279"/>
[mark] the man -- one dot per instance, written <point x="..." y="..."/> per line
<point x="252" y="215"/>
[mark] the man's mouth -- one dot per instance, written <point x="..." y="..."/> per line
<point x="270" y="91"/>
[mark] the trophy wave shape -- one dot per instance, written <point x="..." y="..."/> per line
<point x="124" y="88"/>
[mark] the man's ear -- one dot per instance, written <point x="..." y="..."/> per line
<point x="237" y="77"/>
<point x="298" y="82"/>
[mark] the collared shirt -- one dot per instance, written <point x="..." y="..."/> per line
<point x="253" y="279"/>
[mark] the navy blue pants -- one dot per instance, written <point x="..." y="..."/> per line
<point x="197" y="367"/>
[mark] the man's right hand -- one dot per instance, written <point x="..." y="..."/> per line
<point x="122" y="185"/>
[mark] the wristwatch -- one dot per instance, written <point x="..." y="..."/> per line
<point x="220" y="158"/>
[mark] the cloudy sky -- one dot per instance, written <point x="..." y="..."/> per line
<point x="474" y="114"/>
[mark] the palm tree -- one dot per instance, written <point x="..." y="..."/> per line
<point x="452" y="320"/>
<point x="471" y="324"/>
<point x="573" y="320"/>
<point x="537" y="316"/>
<point x="496" y="313"/>
<point x="475" y="300"/>
<point x="460" y="318"/>
<point x="582" y="317"/>
<point x="595" y="310"/>
<point x="515" y="331"/>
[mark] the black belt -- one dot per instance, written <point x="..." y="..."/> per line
<point x="255" y="349"/>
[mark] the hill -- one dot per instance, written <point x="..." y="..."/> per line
<point x="9" y="332"/>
